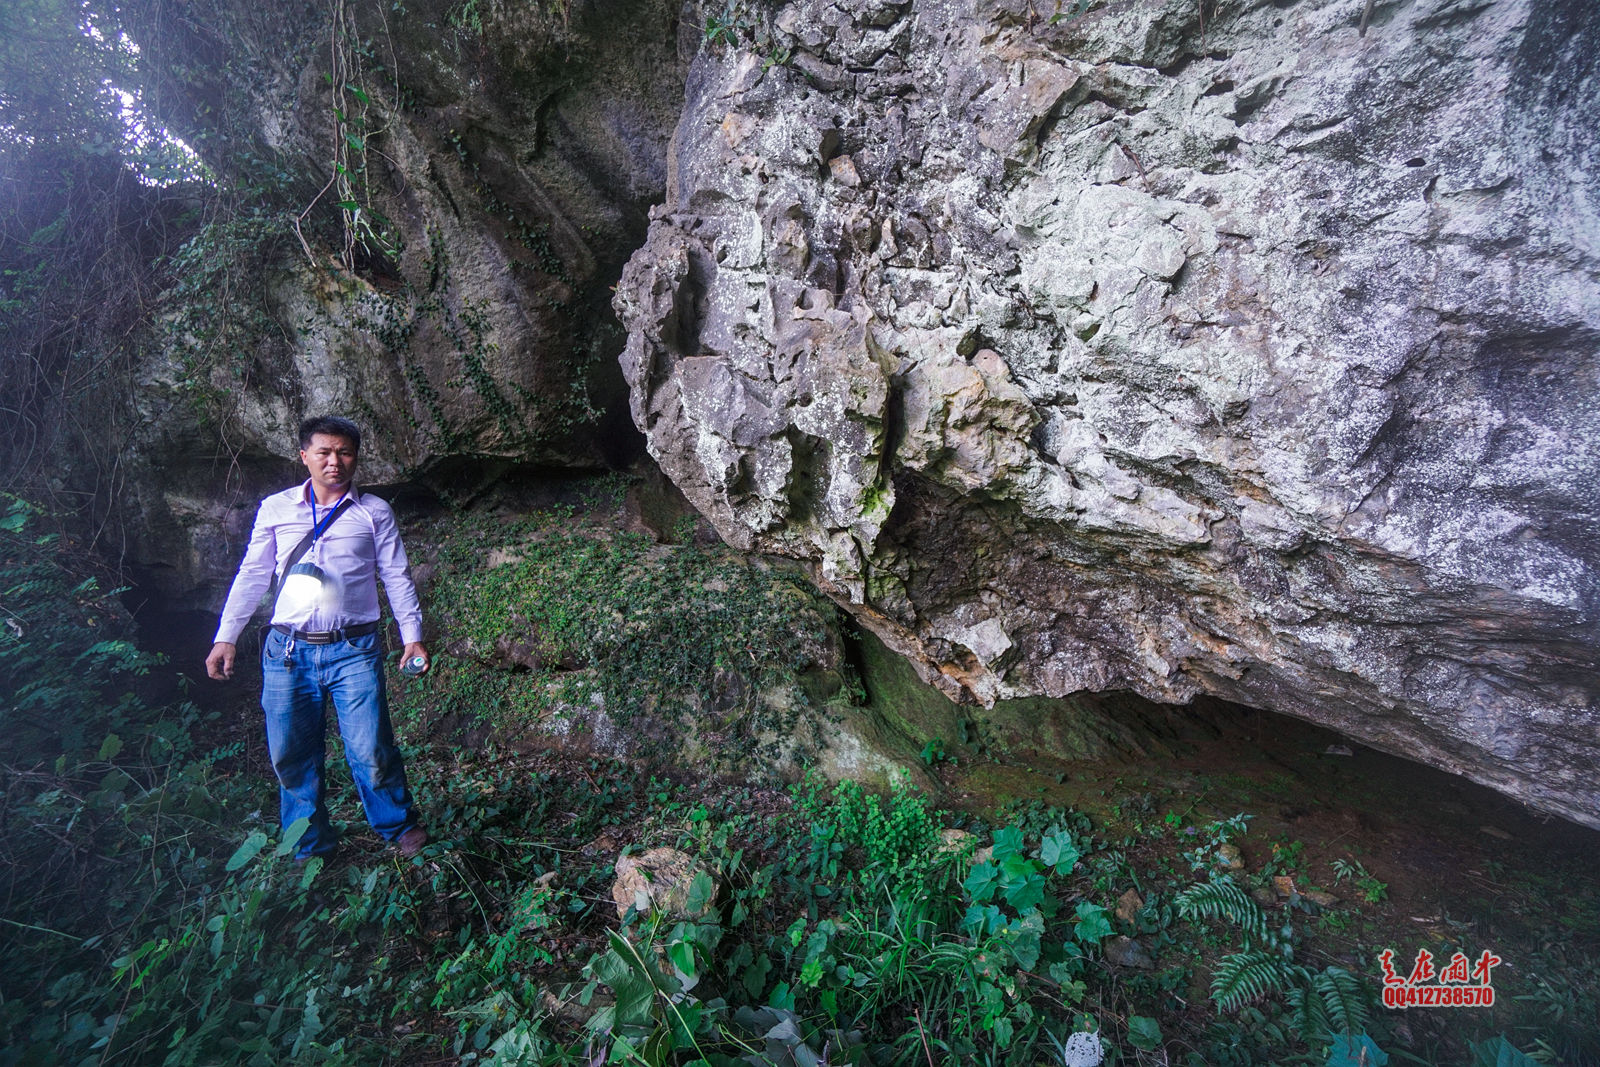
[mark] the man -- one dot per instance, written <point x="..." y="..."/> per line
<point x="324" y="642"/>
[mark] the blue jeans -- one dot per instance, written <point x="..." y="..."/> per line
<point x="294" y="697"/>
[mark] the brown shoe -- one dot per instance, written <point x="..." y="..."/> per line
<point x="411" y="842"/>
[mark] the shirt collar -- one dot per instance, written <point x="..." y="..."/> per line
<point x="351" y="494"/>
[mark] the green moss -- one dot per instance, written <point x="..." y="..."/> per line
<point x="908" y="705"/>
<point x="1060" y="728"/>
<point x="994" y="786"/>
<point x="672" y="641"/>
<point x="875" y="503"/>
<point x="468" y="691"/>
<point x="1036" y="728"/>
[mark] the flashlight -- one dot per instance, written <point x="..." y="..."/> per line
<point x="303" y="587"/>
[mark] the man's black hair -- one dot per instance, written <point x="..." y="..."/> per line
<point x="333" y="426"/>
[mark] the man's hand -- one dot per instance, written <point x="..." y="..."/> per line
<point x="416" y="648"/>
<point x="219" y="664"/>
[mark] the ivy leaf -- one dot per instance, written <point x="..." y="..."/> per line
<point x="292" y="836"/>
<point x="635" y="992"/>
<point x="359" y="93"/>
<point x="1144" y="1033"/>
<point x="1059" y="853"/>
<point x="701" y="889"/>
<point x="1007" y="842"/>
<point x="1016" y="867"/>
<point x="685" y="1022"/>
<point x="984" y="919"/>
<point x="248" y="851"/>
<point x="1027" y="940"/>
<point x="681" y="956"/>
<point x="755" y="976"/>
<point x="981" y="882"/>
<point x="817" y="943"/>
<point x="1092" y="925"/>
<point x="811" y="973"/>
<point x="1027" y="893"/>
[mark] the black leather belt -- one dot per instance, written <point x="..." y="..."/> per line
<point x="328" y="637"/>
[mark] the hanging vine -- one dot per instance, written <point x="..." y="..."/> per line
<point x="355" y="120"/>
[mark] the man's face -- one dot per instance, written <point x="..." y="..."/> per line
<point x="331" y="461"/>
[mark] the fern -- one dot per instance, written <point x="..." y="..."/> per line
<point x="1346" y="1001"/>
<point x="1222" y="898"/>
<point x="1327" y="1005"/>
<point x="1323" y="1004"/>
<point x="1309" y="1014"/>
<point x="1249" y="976"/>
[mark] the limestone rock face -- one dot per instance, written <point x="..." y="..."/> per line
<point x="1118" y="352"/>
<point x="499" y="161"/>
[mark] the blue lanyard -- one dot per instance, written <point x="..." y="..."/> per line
<point x="320" y="528"/>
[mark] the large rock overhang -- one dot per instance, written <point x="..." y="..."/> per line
<point x="1255" y="359"/>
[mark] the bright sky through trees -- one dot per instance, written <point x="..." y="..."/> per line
<point x="68" y="78"/>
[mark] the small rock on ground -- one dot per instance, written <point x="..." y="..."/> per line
<point x="656" y="880"/>
<point x="1126" y="952"/>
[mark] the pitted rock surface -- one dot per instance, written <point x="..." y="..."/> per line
<point x="1118" y="352"/>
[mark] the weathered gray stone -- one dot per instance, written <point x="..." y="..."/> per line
<point x="1126" y="952"/>
<point x="1256" y="360"/>
<point x="512" y="158"/>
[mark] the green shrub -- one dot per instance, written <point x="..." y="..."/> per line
<point x="66" y="664"/>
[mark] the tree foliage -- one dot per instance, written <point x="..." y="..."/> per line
<point x="120" y="250"/>
<point x="89" y="205"/>
<point x="60" y="64"/>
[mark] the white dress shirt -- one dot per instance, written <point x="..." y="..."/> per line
<point x="361" y="545"/>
